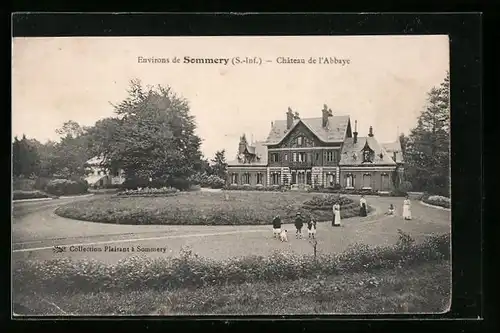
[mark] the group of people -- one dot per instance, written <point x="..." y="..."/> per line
<point x="311" y="224"/>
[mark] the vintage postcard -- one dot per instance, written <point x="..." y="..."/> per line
<point x="231" y="175"/>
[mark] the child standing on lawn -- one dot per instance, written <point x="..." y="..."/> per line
<point x="276" y="226"/>
<point x="299" y="223"/>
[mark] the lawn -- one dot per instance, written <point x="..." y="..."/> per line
<point x="201" y="208"/>
<point x="422" y="288"/>
<point x="405" y="277"/>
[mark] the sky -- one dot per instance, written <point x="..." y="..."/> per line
<point x="384" y="84"/>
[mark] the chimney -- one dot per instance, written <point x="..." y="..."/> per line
<point x="370" y="132"/>
<point x="243" y="144"/>
<point x="355" y="133"/>
<point x="325" y="114"/>
<point x="289" y="118"/>
<point x="272" y="124"/>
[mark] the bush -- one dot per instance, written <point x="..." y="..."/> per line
<point x="437" y="200"/>
<point x="205" y="180"/>
<point x="147" y="191"/>
<point x="272" y="188"/>
<point x="191" y="271"/>
<point x="338" y="190"/>
<point x="405" y="187"/>
<point x="67" y="187"/>
<point x="326" y="202"/>
<point x="20" y="195"/>
<point x="23" y="184"/>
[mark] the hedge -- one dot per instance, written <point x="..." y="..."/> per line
<point x="191" y="271"/>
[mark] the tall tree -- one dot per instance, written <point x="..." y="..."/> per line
<point x="71" y="153"/>
<point x="428" y="148"/>
<point x="219" y="165"/>
<point x="26" y="161"/>
<point x="403" y="141"/>
<point x="154" y="138"/>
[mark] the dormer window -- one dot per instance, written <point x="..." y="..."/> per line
<point x="368" y="154"/>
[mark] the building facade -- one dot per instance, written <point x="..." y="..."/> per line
<point x="322" y="151"/>
<point x="99" y="176"/>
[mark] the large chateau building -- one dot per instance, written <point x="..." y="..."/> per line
<point x="323" y="151"/>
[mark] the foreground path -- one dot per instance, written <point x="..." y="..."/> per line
<point x="36" y="230"/>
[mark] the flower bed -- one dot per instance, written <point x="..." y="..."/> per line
<point x="437" y="200"/>
<point x="149" y="192"/>
<point x="192" y="271"/>
<point x="199" y="208"/>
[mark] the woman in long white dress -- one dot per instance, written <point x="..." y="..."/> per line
<point x="363" y="206"/>
<point x="407" y="209"/>
<point x="336" y="215"/>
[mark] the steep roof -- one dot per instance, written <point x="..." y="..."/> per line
<point x="259" y="150"/>
<point x="334" y="132"/>
<point x="97" y="160"/>
<point x="394" y="147"/>
<point x="352" y="152"/>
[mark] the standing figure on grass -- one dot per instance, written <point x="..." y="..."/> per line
<point x="299" y="223"/>
<point x="276" y="226"/>
<point x="336" y="215"/>
<point x="311" y="228"/>
<point x="362" y="204"/>
<point x="407" y="209"/>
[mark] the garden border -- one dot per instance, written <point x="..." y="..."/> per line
<point x="434" y="206"/>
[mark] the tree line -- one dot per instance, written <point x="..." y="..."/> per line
<point x="426" y="149"/>
<point x="150" y="137"/>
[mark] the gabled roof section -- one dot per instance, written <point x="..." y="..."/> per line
<point x="334" y="132"/>
<point x="259" y="150"/>
<point x="394" y="148"/>
<point x="95" y="161"/>
<point x="352" y="153"/>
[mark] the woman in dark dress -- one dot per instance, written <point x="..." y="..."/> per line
<point x="362" y="204"/>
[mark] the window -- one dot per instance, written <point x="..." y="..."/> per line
<point x="385" y="182"/>
<point x="330" y="179"/>
<point x="276" y="178"/>
<point x="246" y="178"/>
<point x="300" y="141"/>
<point x="349" y="180"/>
<point x="294" y="158"/>
<point x="259" y="178"/>
<point x="331" y="156"/>
<point x="302" y="157"/>
<point x="274" y="157"/>
<point x="317" y="157"/>
<point x="286" y="157"/>
<point x="367" y="156"/>
<point x="294" y="177"/>
<point x="234" y="178"/>
<point x="367" y="180"/>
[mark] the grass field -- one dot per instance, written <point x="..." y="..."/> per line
<point x="205" y="208"/>
<point x="422" y="288"/>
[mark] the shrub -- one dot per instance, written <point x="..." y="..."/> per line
<point x="191" y="271"/>
<point x="67" y="187"/>
<point x="272" y="188"/>
<point x="147" y="191"/>
<point x="20" y="195"/>
<point x="23" y="184"/>
<point x="327" y="201"/>
<point x="437" y="200"/>
<point x="405" y="186"/>
<point x="205" y="180"/>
